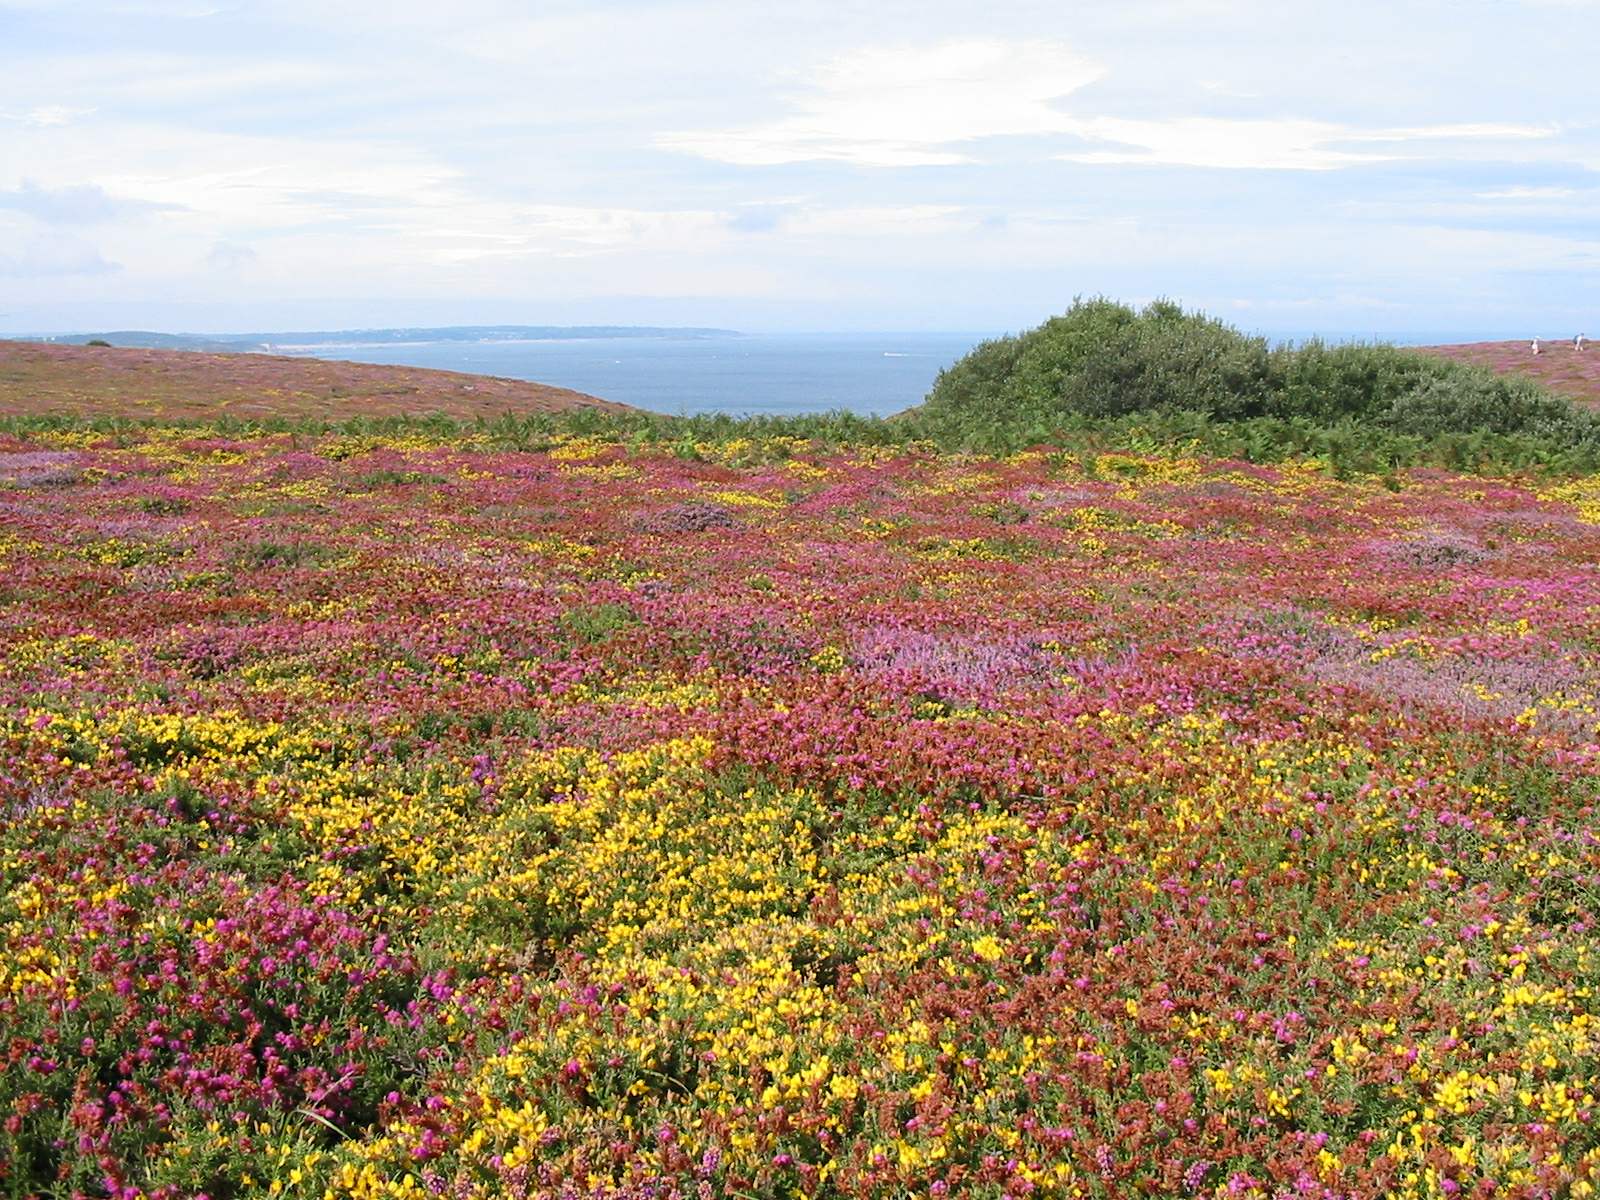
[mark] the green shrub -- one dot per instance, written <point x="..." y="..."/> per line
<point x="388" y="477"/>
<point x="1484" y="403"/>
<point x="1102" y="359"/>
<point x="597" y="622"/>
<point x="1326" y="383"/>
<point x="1102" y="364"/>
<point x="255" y="556"/>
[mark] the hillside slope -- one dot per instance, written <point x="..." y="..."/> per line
<point x="1558" y="366"/>
<point x="167" y="384"/>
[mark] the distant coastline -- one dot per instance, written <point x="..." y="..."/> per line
<point x="303" y="341"/>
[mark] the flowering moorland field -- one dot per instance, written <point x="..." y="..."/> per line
<point x="102" y="382"/>
<point x="1558" y="366"/>
<point x="402" y="816"/>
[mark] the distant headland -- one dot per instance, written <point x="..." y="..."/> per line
<point x="266" y="343"/>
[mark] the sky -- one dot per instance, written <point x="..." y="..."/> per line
<point x="210" y="166"/>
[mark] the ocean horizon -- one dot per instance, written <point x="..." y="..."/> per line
<point x="755" y="374"/>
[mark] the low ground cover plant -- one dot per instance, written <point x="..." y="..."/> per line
<point x="516" y="811"/>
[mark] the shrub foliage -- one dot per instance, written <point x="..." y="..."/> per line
<point x="1103" y="361"/>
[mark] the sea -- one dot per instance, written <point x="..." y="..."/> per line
<point x="747" y="374"/>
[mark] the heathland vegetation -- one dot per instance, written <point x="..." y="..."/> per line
<point x="598" y="806"/>
<point x="1565" y="366"/>
<point x="107" y="385"/>
<point x="404" y="815"/>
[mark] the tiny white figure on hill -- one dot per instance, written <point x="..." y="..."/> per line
<point x="1579" y="342"/>
<point x="1536" y="345"/>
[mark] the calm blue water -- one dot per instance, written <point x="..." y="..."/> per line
<point x="877" y="373"/>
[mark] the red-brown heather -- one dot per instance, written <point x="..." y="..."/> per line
<point x="38" y="377"/>
<point x="1558" y="366"/>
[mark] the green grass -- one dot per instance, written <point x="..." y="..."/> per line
<point x="1348" y="445"/>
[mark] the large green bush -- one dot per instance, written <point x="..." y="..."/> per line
<point x="1103" y="362"/>
<point x="1102" y="359"/>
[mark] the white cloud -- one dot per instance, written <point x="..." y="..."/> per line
<point x="927" y="106"/>
<point x="89" y="9"/>
<point x="1268" y="144"/>
<point x="492" y="148"/>
<point x="1215" y="142"/>
<point x="78" y="204"/>
<point x="46" y="116"/>
<point x="910" y="220"/>
<point x="1341" y="300"/>
<point x="1480" y="131"/>
<point x="231" y="256"/>
<point x="53" y="257"/>
<point x="1528" y="193"/>
<point x="118" y="79"/>
<point x="270" y="180"/>
<point x="915" y="106"/>
<point x="470" y="230"/>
